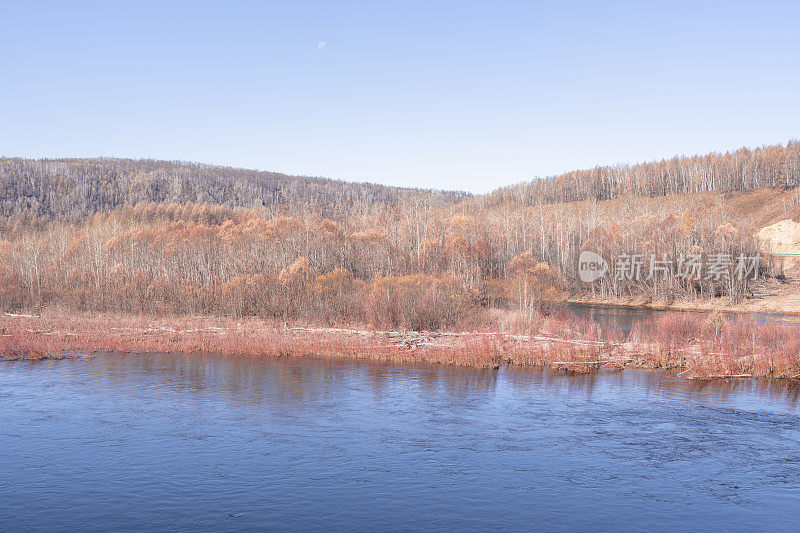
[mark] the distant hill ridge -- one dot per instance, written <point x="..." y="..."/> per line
<point x="74" y="188"/>
<point x="739" y="170"/>
<point x="78" y="187"/>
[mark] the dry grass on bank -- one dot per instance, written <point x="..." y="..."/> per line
<point x="696" y="346"/>
<point x="714" y="346"/>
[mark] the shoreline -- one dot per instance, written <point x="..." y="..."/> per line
<point x="681" y="343"/>
<point x="753" y="306"/>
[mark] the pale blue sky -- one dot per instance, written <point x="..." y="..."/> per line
<point x="466" y="95"/>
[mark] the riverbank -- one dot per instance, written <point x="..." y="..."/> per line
<point x="781" y="297"/>
<point x="54" y="336"/>
<point x="696" y="347"/>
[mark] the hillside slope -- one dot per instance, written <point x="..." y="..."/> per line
<point x="78" y="187"/>
<point x="181" y="238"/>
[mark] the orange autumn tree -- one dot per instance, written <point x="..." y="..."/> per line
<point x="295" y="280"/>
<point x="421" y="302"/>
<point x="338" y="297"/>
<point x="535" y="285"/>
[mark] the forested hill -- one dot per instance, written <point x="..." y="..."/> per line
<point x="117" y="235"/>
<point x="743" y="169"/>
<point x="73" y="188"/>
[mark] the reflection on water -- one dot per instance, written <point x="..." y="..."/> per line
<point x="624" y="318"/>
<point x="611" y="317"/>
<point x="187" y="442"/>
<point x="303" y="382"/>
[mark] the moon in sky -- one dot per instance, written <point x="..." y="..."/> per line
<point x="321" y="45"/>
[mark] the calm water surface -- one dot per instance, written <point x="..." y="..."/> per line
<point x="624" y="318"/>
<point x="172" y="442"/>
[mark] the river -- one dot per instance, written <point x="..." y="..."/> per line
<point x="169" y="442"/>
<point x="624" y="318"/>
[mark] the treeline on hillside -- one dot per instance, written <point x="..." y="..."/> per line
<point x="743" y="169"/>
<point x="175" y="238"/>
<point x="434" y="267"/>
<point x="74" y="188"/>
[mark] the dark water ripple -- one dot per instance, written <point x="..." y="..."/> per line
<point x="192" y="442"/>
